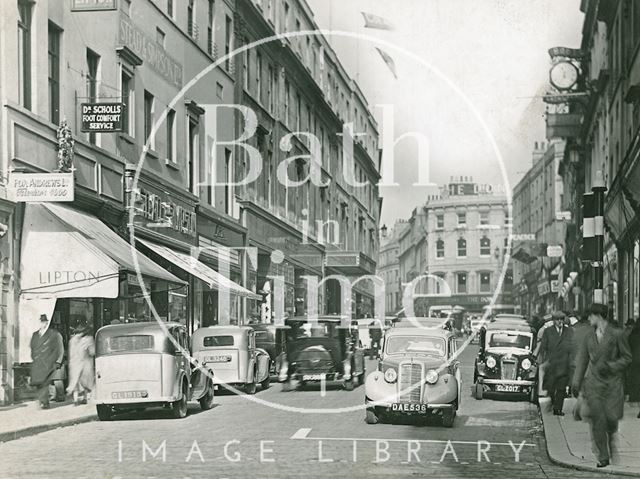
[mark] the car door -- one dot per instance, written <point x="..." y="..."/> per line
<point x="455" y="364"/>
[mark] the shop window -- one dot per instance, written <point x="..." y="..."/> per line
<point x="485" y="282"/>
<point x="485" y="246"/>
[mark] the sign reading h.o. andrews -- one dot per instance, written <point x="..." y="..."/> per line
<point x="37" y="187"/>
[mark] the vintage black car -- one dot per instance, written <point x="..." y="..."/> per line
<point x="505" y="361"/>
<point x="321" y="350"/>
<point x="273" y="339"/>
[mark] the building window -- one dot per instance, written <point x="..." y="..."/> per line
<point x="259" y="77"/>
<point x="170" y="8"/>
<point x="462" y="219"/>
<point x="93" y="65"/>
<point x="485" y="282"/>
<point x="228" y="37"/>
<point x="461" y="283"/>
<point x="148" y="117"/>
<point x="484" y="218"/>
<point x="54" y="73"/>
<point x="287" y="94"/>
<point x="462" y="247"/>
<point x="439" y="283"/>
<point x="192" y="28"/>
<point x="171" y="136"/>
<point x="228" y="179"/>
<point x="440" y="248"/>
<point x="485" y="246"/>
<point x="24" y="52"/>
<point x="271" y="86"/>
<point x="128" y="99"/>
<point x="440" y="221"/>
<point x="507" y="218"/>
<point x="160" y="37"/>
<point x="210" y="26"/>
<point x="192" y="153"/>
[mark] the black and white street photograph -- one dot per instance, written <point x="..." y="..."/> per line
<point x="283" y="239"/>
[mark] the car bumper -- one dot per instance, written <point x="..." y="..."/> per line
<point x="507" y="382"/>
<point x="310" y="376"/>
<point x="136" y="402"/>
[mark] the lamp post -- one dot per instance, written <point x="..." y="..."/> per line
<point x="598" y="190"/>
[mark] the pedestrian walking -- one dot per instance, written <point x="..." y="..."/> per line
<point x="548" y="321"/>
<point x="599" y="374"/>
<point x="555" y="351"/>
<point x="375" y="334"/>
<point x="81" y="364"/>
<point x="633" y="371"/>
<point x="580" y="332"/>
<point x="47" y="351"/>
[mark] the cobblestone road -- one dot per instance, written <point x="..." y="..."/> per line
<point x="240" y="438"/>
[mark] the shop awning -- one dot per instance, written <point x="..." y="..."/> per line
<point x="69" y="254"/>
<point x="200" y="270"/>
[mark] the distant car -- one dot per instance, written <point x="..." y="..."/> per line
<point x="505" y="361"/>
<point x="272" y="339"/>
<point x="321" y="349"/>
<point x="231" y="353"/>
<point x="417" y="377"/>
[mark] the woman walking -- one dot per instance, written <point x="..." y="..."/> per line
<point x="81" y="369"/>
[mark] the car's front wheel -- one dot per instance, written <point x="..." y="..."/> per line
<point x="448" y="417"/>
<point x="206" y="402"/>
<point x="179" y="407"/>
<point x="349" y="384"/>
<point x="477" y="391"/>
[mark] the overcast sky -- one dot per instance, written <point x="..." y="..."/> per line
<point x="494" y="52"/>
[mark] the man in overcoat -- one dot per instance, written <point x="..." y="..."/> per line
<point x="600" y="367"/>
<point x="47" y="352"/>
<point x="555" y="350"/>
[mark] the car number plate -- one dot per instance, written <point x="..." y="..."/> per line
<point x="409" y="407"/>
<point x="313" y="377"/>
<point x="129" y="394"/>
<point x="218" y="359"/>
<point x="507" y="388"/>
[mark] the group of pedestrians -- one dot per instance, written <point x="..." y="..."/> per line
<point x="592" y="358"/>
<point x="47" y="355"/>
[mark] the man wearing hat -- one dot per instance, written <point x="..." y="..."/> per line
<point x="599" y="372"/>
<point x="555" y="352"/>
<point x="47" y="351"/>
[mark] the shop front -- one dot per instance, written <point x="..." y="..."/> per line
<point x="79" y="272"/>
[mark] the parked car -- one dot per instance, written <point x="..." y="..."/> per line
<point x="231" y="352"/>
<point x="505" y="361"/>
<point x="273" y="340"/>
<point x="139" y="366"/>
<point x="418" y="377"/>
<point x="322" y="350"/>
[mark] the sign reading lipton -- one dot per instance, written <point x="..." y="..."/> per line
<point x="151" y="52"/>
<point x="37" y="187"/>
<point x="102" y="117"/>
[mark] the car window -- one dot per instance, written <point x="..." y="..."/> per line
<point x="121" y="344"/>
<point x="413" y="344"/>
<point x="217" y="341"/>
<point x="506" y="339"/>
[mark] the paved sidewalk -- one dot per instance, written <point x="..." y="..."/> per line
<point x="569" y="441"/>
<point x="25" y="419"/>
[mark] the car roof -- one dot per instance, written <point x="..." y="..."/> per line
<point x="133" y="328"/>
<point x="321" y="318"/>
<point x="430" y="332"/>
<point x="509" y="316"/>
<point x="508" y="326"/>
<point x="229" y="330"/>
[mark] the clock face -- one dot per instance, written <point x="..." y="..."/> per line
<point x="563" y="75"/>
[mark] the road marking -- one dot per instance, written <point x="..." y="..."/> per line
<point x="481" y="421"/>
<point x="303" y="433"/>
<point x="323" y="387"/>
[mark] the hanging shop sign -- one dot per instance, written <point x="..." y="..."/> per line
<point x="523" y="237"/>
<point x="89" y="5"/>
<point x="543" y="288"/>
<point x="102" y="117"/>
<point x="554" y="251"/>
<point x="38" y="187"/>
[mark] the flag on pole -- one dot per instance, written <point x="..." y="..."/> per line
<point x="389" y="61"/>
<point x="375" y="21"/>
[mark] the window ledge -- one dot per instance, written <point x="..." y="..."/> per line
<point x="127" y="138"/>
<point x="172" y="164"/>
<point x="152" y="154"/>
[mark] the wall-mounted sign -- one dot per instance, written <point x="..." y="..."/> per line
<point x="554" y="251"/>
<point x="523" y="237"/>
<point x="88" y="5"/>
<point x="151" y="52"/>
<point x="563" y="215"/>
<point x="160" y="211"/>
<point x="38" y="187"/>
<point x="101" y="117"/>
<point x="555" y="285"/>
<point x="543" y="288"/>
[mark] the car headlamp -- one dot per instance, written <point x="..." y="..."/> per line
<point x="526" y="363"/>
<point x="432" y="376"/>
<point x="390" y="375"/>
<point x="491" y="362"/>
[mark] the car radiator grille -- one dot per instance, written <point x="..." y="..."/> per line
<point x="509" y="369"/>
<point x="410" y="375"/>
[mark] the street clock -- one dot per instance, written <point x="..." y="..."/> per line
<point x="563" y="75"/>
